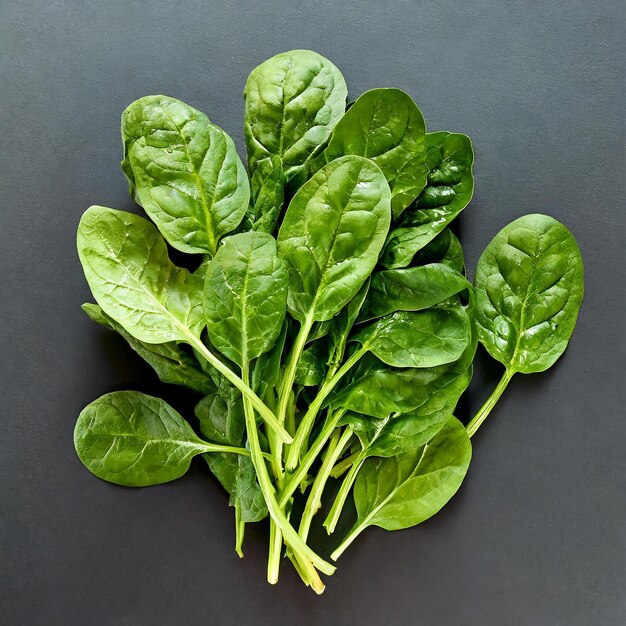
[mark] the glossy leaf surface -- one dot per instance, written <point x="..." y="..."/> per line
<point x="411" y="289"/>
<point x="184" y="171"/>
<point x="403" y="491"/>
<point x="245" y="296"/>
<point x="386" y="126"/>
<point x="132" y="439"/>
<point x="332" y="234"/>
<point x="529" y="288"/>
<point x="127" y="267"/>
<point x="448" y="191"/>
<point x="292" y="102"/>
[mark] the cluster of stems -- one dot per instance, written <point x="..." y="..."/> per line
<point x="291" y="458"/>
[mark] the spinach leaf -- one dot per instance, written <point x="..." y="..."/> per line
<point x="292" y="101"/>
<point x="418" y="339"/>
<point x="448" y="191"/>
<point x="445" y="248"/>
<point x="169" y="361"/>
<point x="404" y="490"/>
<point x="313" y="364"/>
<point x="131" y="439"/>
<point x="411" y="289"/>
<point x="386" y="126"/>
<point x="267" y="200"/>
<point x="331" y="236"/>
<point x="184" y="171"/>
<point x="127" y="267"/>
<point x="245" y="296"/>
<point x="529" y="288"/>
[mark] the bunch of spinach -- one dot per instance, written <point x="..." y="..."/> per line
<point x="328" y="328"/>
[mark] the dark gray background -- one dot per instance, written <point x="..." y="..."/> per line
<point x="536" y="535"/>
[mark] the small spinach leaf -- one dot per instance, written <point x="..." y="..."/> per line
<point x="245" y="296"/>
<point x="292" y="102"/>
<point x="411" y="289"/>
<point x="184" y="171"/>
<point x="529" y="288"/>
<point x="386" y="126"/>
<point x="127" y="267"/>
<point x="448" y="191"/>
<point x="404" y="490"/>
<point x="446" y="249"/>
<point x="129" y="438"/>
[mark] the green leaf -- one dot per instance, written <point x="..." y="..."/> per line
<point x="402" y="491"/>
<point x="332" y="234"/>
<point x="386" y="126"/>
<point x="221" y="415"/>
<point x="423" y="339"/>
<point x="378" y="390"/>
<point x="184" y="171"/>
<point x="529" y="288"/>
<point x="448" y="191"/>
<point x="411" y="289"/>
<point x="446" y="249"/>
<point x="126" y="265"/>
<point x="313" y="364"/>
<point x="267" y="202"/>
<point x="292" y="102"/>
<point x="131" y="439"/>
<point x="172" y="364"/>
<point x="245" y="296"/>
<point x="236" y="474"/>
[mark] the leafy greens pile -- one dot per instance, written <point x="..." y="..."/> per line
<point x="328" y="326"/>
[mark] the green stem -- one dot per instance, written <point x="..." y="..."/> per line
<point x="304" y="429"/>
<point x="273" y="560"/>
<point x="309" y="458"/>
<point x="330" y="523"/>
<point x="244" y="387"/>
<point x="239" y="532"/>
<point x="290" y="370"/>
<point x="343" y="466"/>
<point x="309" y="559"/>
<point x="217" y="447"/>
<point x="485" y="409"/>
<point x="337" y="444"/>
<point x="352" y="535"/>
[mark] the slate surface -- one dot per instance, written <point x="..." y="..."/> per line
<point x="536" y="536"/>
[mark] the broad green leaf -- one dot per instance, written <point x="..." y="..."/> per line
<point x="292" y="102"/>
<point x="448" y="191"/>
<point x="126" y="265"/>
<point x="221" y="417"/>
<point x="386" y="126"/>
<point x="394" y="434"/>
<point x="378" y="390"/>
<point x="411" y="289"/>
<point x="172" y="364"/>
<point x="529" y="288"/>
<point x="266" y="369"/>
<point x="131" y="439"/>
<point x="184" y="171"/>
<point x="427" y="338"/>
<point x="245" y="296"/>
<point x="402" y="491"/>
<point x="332" y="234"/>
<point x="446" y="249"/>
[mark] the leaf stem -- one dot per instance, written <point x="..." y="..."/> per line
<point x="299" y="475"/>
<point x="485" y="409"/>
<point x="330" y="523"/>
<point x="351" y="536"/>
<point x="275" y="549"/>
<point x="337" y="444"/>
<point x="308" y="559"/>
<point x="244" y="387"/>
<point x="304" y="429"/>
<point x="239" y="532"/>
<point x="290" y="370"/>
